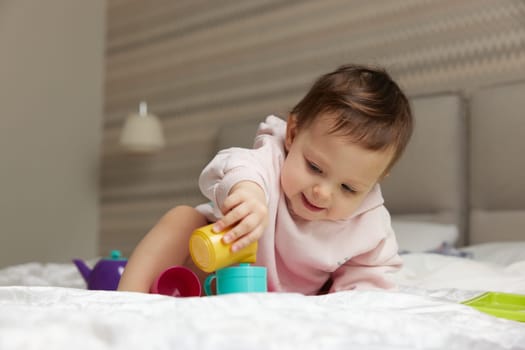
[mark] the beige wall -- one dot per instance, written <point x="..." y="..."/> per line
<point x="51" y="86"/>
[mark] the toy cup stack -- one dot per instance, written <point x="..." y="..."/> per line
<point x="211" y="254"/>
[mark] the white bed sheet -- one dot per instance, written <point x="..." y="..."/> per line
<point x="424" y="314"/>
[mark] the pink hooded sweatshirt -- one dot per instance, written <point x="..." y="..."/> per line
<point x="300" y="256"/>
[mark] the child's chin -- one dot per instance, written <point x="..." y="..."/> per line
<point x="303" y="215"/>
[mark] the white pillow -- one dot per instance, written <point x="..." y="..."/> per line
<point x="502" y="253"/>
<point x="417" y="236"/>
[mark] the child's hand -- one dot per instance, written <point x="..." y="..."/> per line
<point x="246" y="214"/>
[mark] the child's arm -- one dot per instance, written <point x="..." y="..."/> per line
<point x="236" y="181"/>
<point x="165" y="245"/>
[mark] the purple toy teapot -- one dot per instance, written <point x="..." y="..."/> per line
<point x="106" y="273"/>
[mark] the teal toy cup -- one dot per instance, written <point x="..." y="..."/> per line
<point x="237" y="279"/>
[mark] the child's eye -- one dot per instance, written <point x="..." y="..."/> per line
<point x="347" y="188"/>
<point x="314" y="167"/>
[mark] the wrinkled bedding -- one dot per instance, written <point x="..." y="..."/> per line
<point x="45" y="306"/>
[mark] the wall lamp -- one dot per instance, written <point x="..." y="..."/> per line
<point x="142" y="133"/>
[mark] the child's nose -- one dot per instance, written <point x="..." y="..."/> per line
<point x="321" y="192"/>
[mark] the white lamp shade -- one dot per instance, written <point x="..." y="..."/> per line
<point x="142" y="133"/>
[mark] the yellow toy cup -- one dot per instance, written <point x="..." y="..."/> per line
<point x="210" y="253"/>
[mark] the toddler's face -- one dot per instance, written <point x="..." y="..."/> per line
<point x="324" y="176"/>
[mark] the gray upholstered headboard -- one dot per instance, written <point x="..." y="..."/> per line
<point x="497" y="164"/>
<point x="429" y="182"/>
<point x="463" y="165"/>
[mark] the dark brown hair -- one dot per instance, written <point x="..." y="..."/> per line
<point x="367" y="106"/>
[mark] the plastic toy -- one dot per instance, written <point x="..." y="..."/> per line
<point x="106" y="273"/>
<point x="210" y="253"/>
<point x="237" y="279"/>
<point x="504" y="305"/>
<point x="177" y="281"/>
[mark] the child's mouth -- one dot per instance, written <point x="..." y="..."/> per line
<point x="309" y="205"/>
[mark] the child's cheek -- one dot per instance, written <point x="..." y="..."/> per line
<point x="287" y="179"/>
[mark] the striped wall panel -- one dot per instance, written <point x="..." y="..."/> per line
<point x="202" y="63"/>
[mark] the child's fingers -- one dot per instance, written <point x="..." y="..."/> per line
<point x="243" y="227"/>
<point x="242" y="214"/>
<point x="232" y="201"/>
<point x="234" y="216"/>
<point x="248" y="239"/>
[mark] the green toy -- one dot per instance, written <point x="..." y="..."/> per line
<point x="504" y="305"/>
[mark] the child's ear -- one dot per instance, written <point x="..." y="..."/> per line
<point x="291" y="131"/>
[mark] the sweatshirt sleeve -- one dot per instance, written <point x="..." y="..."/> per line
<point x="370" y="270"/>
<point x="233" y="165"/>
<point x="229" y="167"/>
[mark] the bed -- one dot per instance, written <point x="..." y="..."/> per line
<point x="47" y="306"/>
<point x="458" y="207"/>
